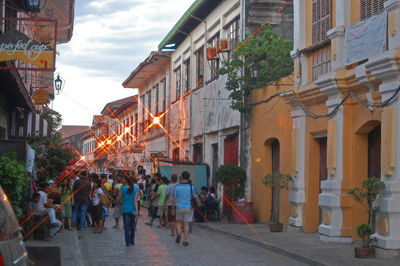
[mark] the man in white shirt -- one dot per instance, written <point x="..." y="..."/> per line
<point x="40" y="206"/>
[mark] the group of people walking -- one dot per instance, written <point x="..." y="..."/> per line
<point x="85" y="200"/>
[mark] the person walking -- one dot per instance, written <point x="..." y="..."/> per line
<point x="67" y="201"/>
<point x="169" y="195"/>
<point x="81" y="191"/>
<point x="98" y="196"/>
<point x="117" y="204"/>
<point x="129" y="194"/>
<point x="183" y="195"/>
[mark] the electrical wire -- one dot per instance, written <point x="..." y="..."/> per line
<point x="288" y="95"/>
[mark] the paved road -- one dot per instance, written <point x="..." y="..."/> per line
<point x="154" y="246"/>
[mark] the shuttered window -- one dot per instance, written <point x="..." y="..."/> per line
<point x="370" y="8"/>
<point x="321" y="20"/>
<point x="321" y="61"/>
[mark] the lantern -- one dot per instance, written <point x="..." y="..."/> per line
<point x="255" y="70"/>
<point x="33" y="5"/>
<point x="58" y="84"/>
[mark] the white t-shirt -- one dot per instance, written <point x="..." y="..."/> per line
<point x="38" y="207"/>
<point x="96" y="196"/>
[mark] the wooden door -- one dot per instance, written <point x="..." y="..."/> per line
<point x="323" y="170"/>
<point x="275" y="186"/>
<point x="374" y="152"/>
<point x="231" y="145"/>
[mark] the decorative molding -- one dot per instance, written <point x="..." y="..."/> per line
<point x="326" y="217"/>
<point x="382" y="226"/>
<point x="331" y="162"/>
<point x="392" y="23"/>
<point x="388" y="148"/>
<point x="334" y="49"/>
<point x="295" y="161"/>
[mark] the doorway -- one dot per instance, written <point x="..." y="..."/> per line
<point x="323" y="170"/>
<point x="275" y="187"/>
<point x="374" y="152"/>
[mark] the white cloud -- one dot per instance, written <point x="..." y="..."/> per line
<point x="111" y="37"/>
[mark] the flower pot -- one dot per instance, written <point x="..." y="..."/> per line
<point x="362" y="252"/>
<point x="276" y="227"/>
<point x="243" y="213"/>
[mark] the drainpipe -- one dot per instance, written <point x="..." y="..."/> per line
<point x="204" y="84"/>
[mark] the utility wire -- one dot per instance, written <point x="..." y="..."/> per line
<point x="288" y="94"/>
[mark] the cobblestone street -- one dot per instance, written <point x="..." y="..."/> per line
<point x="154" y="246"/>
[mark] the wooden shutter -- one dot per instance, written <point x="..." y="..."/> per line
<point x="321" y="20"/>
<point x="370" y="8"/>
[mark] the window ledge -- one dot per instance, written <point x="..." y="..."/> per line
<point x="316" y="46"/>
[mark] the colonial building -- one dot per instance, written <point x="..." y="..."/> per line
<point x="153" y="80"/>
<point x="27" y="82"/>
<point x="342" y="47"/>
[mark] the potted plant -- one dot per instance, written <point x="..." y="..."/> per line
<point x="276" y="181"/>
<point x="366" y="195"/>
<point x="234" y="180"/>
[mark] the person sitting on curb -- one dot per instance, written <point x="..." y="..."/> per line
<point x="40" y="207"/>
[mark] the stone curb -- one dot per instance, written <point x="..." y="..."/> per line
<point x="262" y="245"/>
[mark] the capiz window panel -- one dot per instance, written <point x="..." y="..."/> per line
<point x="369" y="8"/>
<point x="321" y="20"/>
<point x="321" y="61"/>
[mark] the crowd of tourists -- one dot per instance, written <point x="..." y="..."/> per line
<point x="84" y="201"/>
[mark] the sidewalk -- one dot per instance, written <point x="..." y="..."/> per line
<point x="68" y="243"/>
<point x="305" y="247"/>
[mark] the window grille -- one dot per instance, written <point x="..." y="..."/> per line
<point x="214" y="64"/>
<point x="177" y="73"/>
<point x="186" y="75"/>
<point x="369" y="8"/>
<point x="321" y="20"/>
<point x="321" y="61"/>
<point x="156" y="94"/>
<point x="200" y="67"/>
<point x="233" y="33"/>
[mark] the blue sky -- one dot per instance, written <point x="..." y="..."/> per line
<point x="111" y="37"/>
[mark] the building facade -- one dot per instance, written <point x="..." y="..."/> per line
<point x="357" y="139"/>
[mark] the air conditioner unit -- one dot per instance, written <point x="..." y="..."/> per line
<point x="212" y="53"/>
<point x="223" y="45"/>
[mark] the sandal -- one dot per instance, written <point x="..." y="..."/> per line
<point x="149" y="224"/>
<point x="186" y="244"/>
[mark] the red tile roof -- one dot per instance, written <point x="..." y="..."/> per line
<point x="69" y="130"/>
<point x="111" y="107"/>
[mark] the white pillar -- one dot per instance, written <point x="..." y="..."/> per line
<point x="384" y="67"/>
<point x="297" y="195"/>
<point x="329" y="199"/>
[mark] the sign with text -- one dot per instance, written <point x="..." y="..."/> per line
<point x="36" y="53"/>
<point x="365" y="39"/>
<point x="40" y="96"/>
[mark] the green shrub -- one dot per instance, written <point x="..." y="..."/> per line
<point x="230" y="175"/>
<point x="14" y="182"/>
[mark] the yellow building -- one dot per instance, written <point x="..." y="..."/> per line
<point x="339" y="127"/>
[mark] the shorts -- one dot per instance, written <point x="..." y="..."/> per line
<point x="154" y="212"/>
<point x="171" y="217"/>
<point x="161" y="211"/>
<point x="117" y="211"/>
<point x="66" y="211"/>
<point x="184" y="214"/>
<point x="98" y="212"/>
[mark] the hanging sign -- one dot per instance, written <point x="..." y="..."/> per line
<point x="365" y="39"/>
<point x="38" y="53"/>
<point x="40" y="96"/>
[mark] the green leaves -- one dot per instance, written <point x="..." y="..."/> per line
<point x="278" y="179"/>
<point x="14" y="182"/>
<point x="271" y="51"/>
<point x="364" y="232"/>
<point x="230" y="175"/>
<point x="371" y="187"/>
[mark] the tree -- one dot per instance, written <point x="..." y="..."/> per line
<point x="271" y="53"/>
<point x="52" y="156"/>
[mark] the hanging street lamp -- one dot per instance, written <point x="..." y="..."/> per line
<point x="58" y="84"/>
<point x="33" y="5"/>
<point x="255" y="70"/>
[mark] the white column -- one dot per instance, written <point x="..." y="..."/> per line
<point x="384" y="67"/>
<point x="299" y="42"/>
<point x="393" y="9"/>
<point x="297" y="195"/>
<point x="329" y="199"/>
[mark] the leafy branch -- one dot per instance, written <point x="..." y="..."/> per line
<point x="270" y="51"/>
